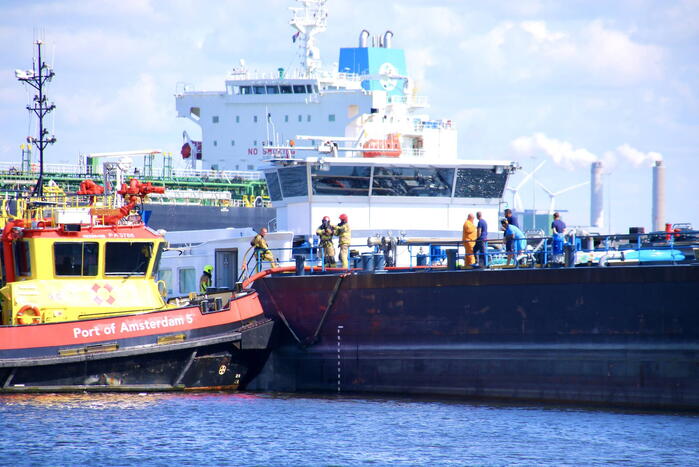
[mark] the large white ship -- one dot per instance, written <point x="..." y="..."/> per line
<point x="368" y="98"/>
<point x="354" y="141"/>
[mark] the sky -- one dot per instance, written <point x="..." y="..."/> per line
<point x="566" y="82"/>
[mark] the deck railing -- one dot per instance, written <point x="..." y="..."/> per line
<point x="546" y="251"/>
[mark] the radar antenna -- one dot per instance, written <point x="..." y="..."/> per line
<point x="309" y="19"/>
<point x="38" y="79"/>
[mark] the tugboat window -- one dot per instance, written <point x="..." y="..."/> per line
<point x="76" y="258"/>
<point x="158" y="255"/>
<point x="122" y="258"/>
<point x="412" y="181"/>
<point x="341" y="181"/>
<point x="22" y="259"/>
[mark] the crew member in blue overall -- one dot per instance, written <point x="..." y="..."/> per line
<point x="558" y="228"/>
<point x="515" y="241"/>
<point x="511" y="218"/>
<point x="481" y="247"/>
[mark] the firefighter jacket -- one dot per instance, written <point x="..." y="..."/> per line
<point x="259" y="243"/>
<point x="344" y="233"/>
<point x="325" y="232"/>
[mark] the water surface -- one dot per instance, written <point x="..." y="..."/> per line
<point x="280" y="430"/>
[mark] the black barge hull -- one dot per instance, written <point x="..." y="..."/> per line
<point x="621" y="336"/>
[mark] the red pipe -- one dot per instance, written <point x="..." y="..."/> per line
<point x="259" y="275"/>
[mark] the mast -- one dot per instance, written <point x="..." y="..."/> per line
<point x="41" y="107"/>
<point x="309" y="19"/>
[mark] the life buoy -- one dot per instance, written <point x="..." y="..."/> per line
<point x="28" y="314"/>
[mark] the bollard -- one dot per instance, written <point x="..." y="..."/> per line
<point x="451" y="259"/>
<point x="367" y="261"/>
<point x="300" y="263"/>
<point x="569" y="255"/>
<point x="379" y="262"/>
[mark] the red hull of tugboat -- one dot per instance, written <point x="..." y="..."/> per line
<point x="176" y="349"/>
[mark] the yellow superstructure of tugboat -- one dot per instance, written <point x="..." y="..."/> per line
<point x="64" y="263"/>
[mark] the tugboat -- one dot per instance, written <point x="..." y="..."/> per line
<point x="81" y="309"/>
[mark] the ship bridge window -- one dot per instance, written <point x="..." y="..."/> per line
<point x="75" y="258"/>
<point x="259" y="90"/>
<point x="341" y="181"/>
<point x="309" y="88"/>
<point x="127" y="258"/>
<point x="22" y="258"/>
<point x="187" y="280"/>
<point x="165" y="275"/>
<point x="272" y="89"/>
<point x="299" y="89"/>
<point x="412" y="181"/>
<point x="285" y="89"/>
<point x="293" y="181"/>
<point x="246" y="89"/>
<point x="275" y="191"/>
<point x="479" y="183"/>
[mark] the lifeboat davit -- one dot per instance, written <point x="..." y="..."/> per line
<point x="389" y="147"/>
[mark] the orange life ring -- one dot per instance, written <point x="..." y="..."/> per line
<point x="33" y="315"/>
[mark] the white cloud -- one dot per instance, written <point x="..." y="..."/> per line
<point x="533" y="50"/>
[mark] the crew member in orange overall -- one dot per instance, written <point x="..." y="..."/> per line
<point x="469" y="239"/>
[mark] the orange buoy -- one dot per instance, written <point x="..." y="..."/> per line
<point x="28" y="314"/>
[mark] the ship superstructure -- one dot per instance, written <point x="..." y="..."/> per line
<point x="369" y="98"/>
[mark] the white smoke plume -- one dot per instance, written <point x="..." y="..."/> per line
<point x="638" y="158"/>
<point x="565" y="155"/>
<point x="562" y="153"/>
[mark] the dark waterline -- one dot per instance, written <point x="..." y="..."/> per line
<point x="283" y="429"/>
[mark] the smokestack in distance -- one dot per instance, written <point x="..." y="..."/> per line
<point x="658" y="210"/>
<point x="596" y="195"/>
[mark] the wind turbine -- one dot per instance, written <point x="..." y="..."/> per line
<point x="516" y="199"/>
<point x="552" y="195"/>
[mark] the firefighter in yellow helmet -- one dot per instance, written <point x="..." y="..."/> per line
<point x="344" y="233"/>
<point x="262" y="251"/>
<point x="325" y="232"/>
<point x="205" y="279"/>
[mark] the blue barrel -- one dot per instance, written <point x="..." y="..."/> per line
<point x="367" y="261"/>
<point x="421" y="259"/>
<point x="379" y="262"/>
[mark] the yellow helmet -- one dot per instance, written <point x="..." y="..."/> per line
<point x="209" y="268"/>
